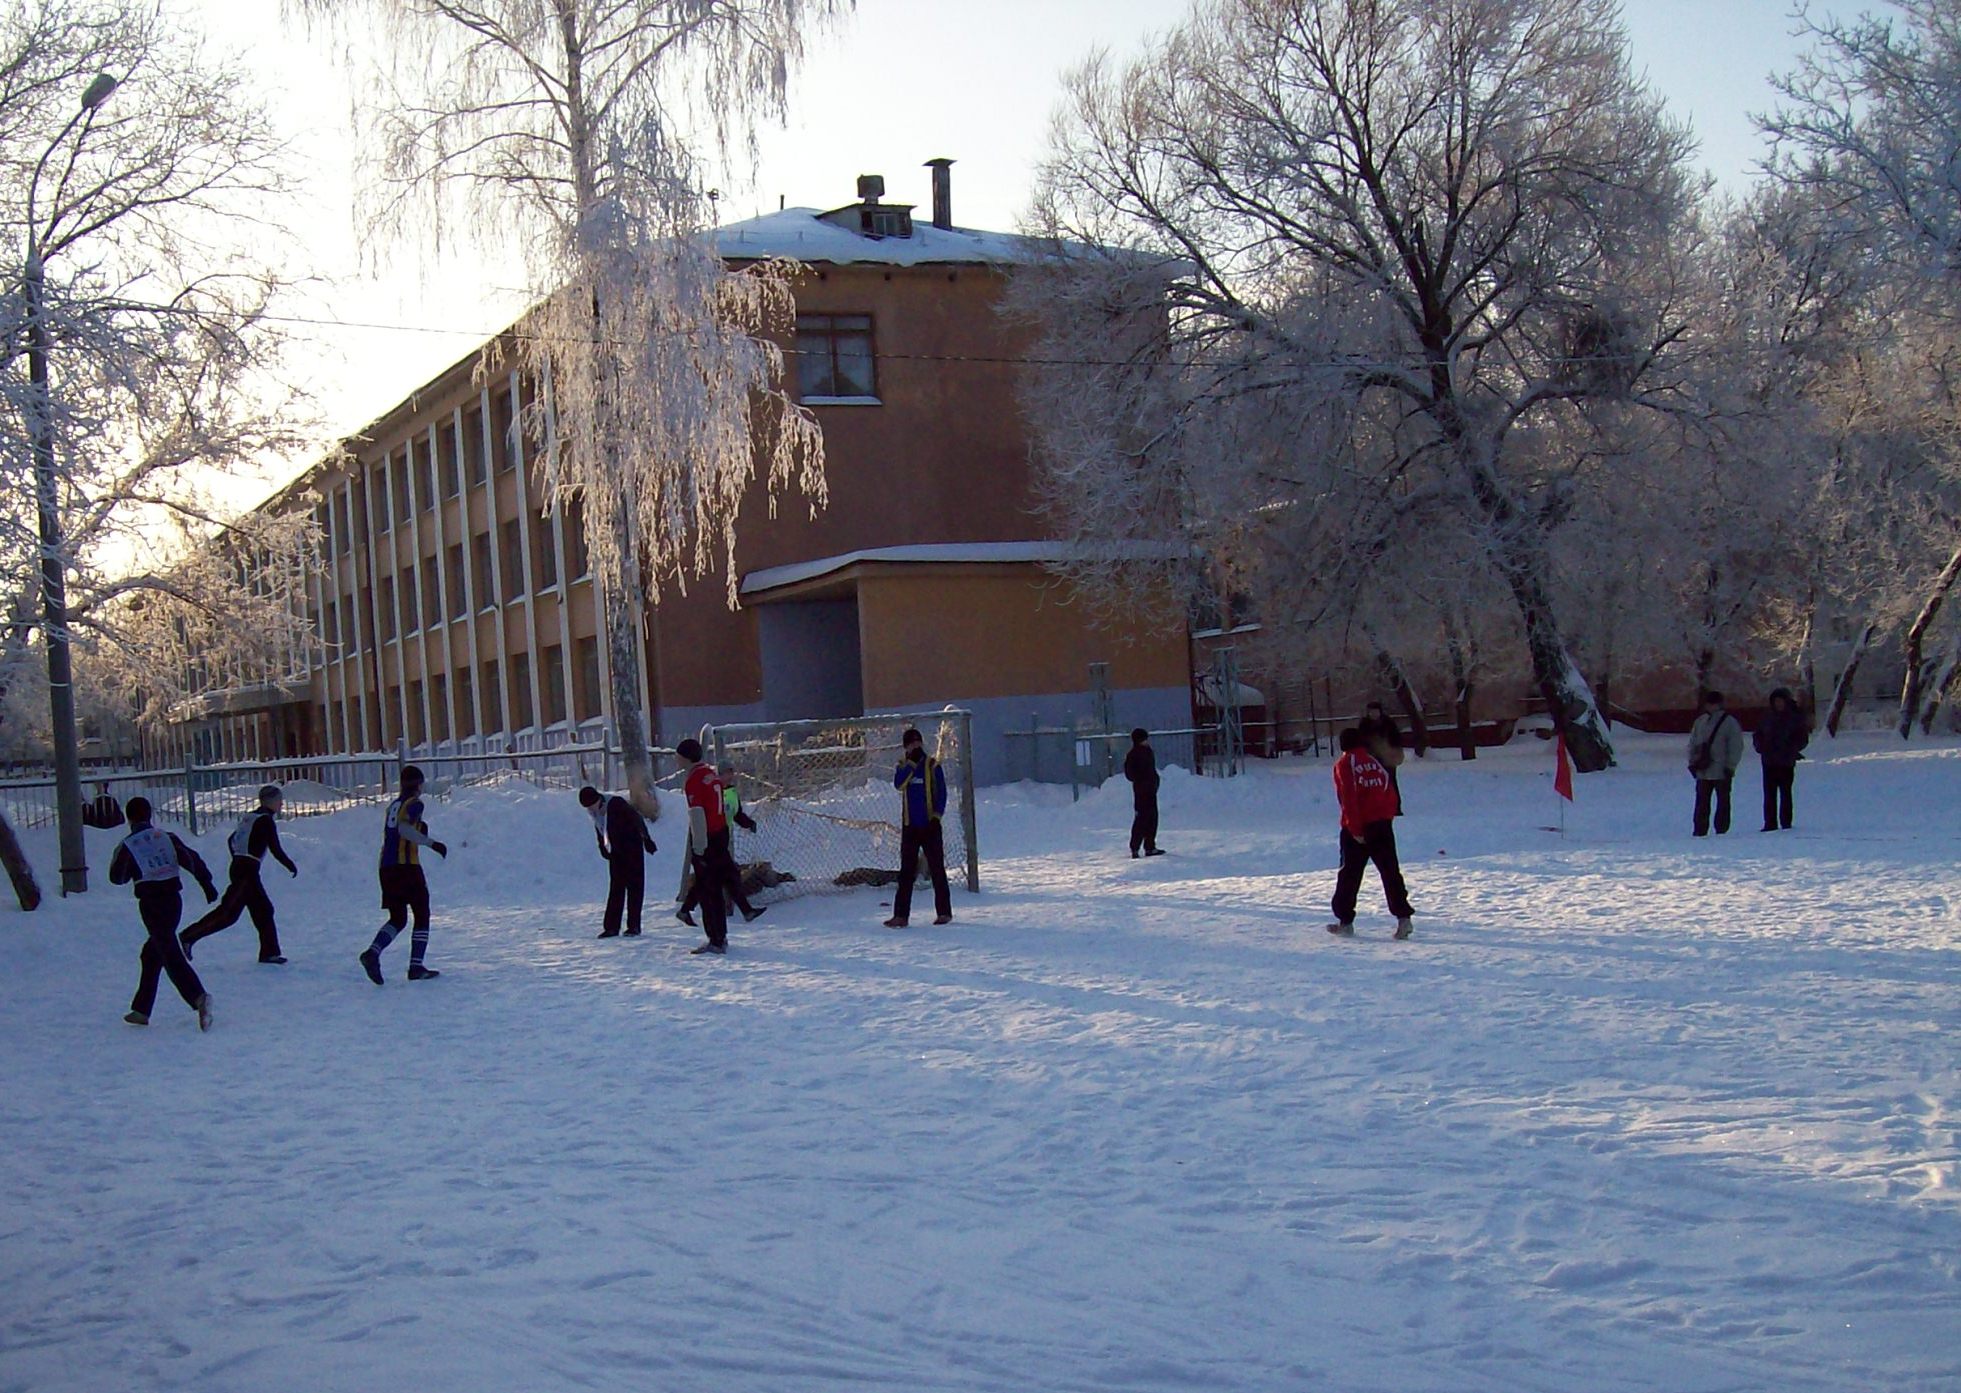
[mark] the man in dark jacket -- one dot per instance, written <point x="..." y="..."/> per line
<point x="1780" y="739"/>
<point x="155" y="861"/>
<point x="624" y="841"/>
<point x="256" y="836"/>
<point x="1140" y="766"/>
<point x="922" y="803"/>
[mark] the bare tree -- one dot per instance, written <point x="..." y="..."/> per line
<point x="1869" y="127"/>
<point x="136" y="354"/>
<point x="563" y="128"/>
<point x="1430" y="229"/>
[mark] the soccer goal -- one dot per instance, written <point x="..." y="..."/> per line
<point x="821" y="792"/>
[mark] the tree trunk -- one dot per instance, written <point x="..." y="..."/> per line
<point x="1842" y="690"/>
<point x="1460" y="677"/>
<point x="626" y="619"/>
<point x="18" y="870"/>
<point x="1917" y="634"/>
<point x="1808" y="660"/>
<point x="1570" y="701"/>
<point x="1943" y="683"/>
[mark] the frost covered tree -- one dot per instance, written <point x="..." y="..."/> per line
<point x="1870" y="128"/>
<point x="1414" y="234"/>
<point x="569" y="131"/>
<point x="135" y="349"/>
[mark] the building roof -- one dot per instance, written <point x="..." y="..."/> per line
<point x="801" y="234"/>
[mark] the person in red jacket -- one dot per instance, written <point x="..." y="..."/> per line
<point x="1369" y="805"/>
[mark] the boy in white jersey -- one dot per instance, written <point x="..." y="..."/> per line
<point x="256" y="836"/>
<point x="154" y="860"/>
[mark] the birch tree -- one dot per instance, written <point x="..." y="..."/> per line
<point x="1435" y="228"/>
<point x="569" y="131"/>
<point x="137" y="360"/>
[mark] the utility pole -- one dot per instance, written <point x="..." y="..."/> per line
<point x="54" y="583"/>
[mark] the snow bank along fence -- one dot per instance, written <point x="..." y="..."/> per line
<point x="202" y="796"/>
<point x="825" y="807"/>
<point x="1083" y="759"/>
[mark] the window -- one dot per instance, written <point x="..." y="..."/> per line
<point x="355" y="616"/>
<point x="426" y="478"/>
<point x="544" y="556"/>
<point x="503" y="431"/>
<point x="834" y="356"/>
<point x="521" y="691"/>
<point x="322" y="515"/>
<point x="343" y="531"/>
<point x="358" y="517"/>
<point x="411" y="621"/>
<point x="415" y="712"/>
<point x="432" y="592"/>
<point x="446" y="452"/>
<point x="453" y="576"/>
<point x="391" y="719"/>
<point x="378" y="490"/>
<point x="387" y="593"/>
<point x="493" y="699"/>
<point x="466" y="716"/>
<point x="554" y="678"/>
<point x="486" y="581"/>
<point x="578" y="557"/>
<point x="439" y="706"/>
<point x="398" y="471"/>
<point x="510" y="560"/>
<point x="330" y="625"/>
<point x="474" y="465"/>
<point x="585" y="678"/>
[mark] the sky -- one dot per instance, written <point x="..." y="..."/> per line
<point x="901" y="82"/>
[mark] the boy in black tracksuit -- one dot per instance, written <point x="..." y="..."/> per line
<point x="154" y="860"/>
<point x="1140" y="766"/>
<point x="256" y="835"/>
<point x="624" y="841"/>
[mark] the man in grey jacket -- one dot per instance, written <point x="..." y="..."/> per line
<point x="1715" y="750"/>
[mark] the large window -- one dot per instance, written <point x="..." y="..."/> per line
<point x="503" y="431"/>
<point x="466" y="715"/>
<point x="493" y="699"/>
<point x="521" y="691"/>
<point x="578" y="556"/>
<point x="398" y="470"/>
<point x="432" y="592"/>
<point x="544" y="556"/>
<point x="386" y="593"/>
<point x="554" y="680"/>
<point x="446" y="452"/>
<point x="453" y="577"/>
<point x="378" y="490"/>
<point x="510" y="558"/>
<point x="474" y="465"/>
<point x="416" y="734"/>
<point x="405" y="592"/>
<point x="439" y="707"/>
<point x="480" y="564"/>
<point x="425" y="477"/>
<point x="585" y="678"/>
<point x="834" y="356"/>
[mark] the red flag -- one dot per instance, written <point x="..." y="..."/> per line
<point x="1562" y="778"/>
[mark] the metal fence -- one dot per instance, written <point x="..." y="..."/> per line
<point x="197" y="796"/>
<point x="1083" y="759"/>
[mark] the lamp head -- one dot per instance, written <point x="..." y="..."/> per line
<point x="98" y="91"/>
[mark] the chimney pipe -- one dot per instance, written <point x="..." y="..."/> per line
<point x="942" y="192"/>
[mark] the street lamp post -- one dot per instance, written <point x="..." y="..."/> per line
<point x="54" y="584"/>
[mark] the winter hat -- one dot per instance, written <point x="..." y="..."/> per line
<point x="137" y="809"/>
<point x="588" y="795"/>
<point x="411" y="774"/>
<point x="912" y="737"/>
<point x="269" y="793"/>
<point x="690" y="750"/>
<point x="1139" y="736"/>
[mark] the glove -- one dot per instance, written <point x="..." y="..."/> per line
<point x="440" y="850"/>
<point x="210" y="893"/>
<point x="745" y="822"/>
<point x="293" y="871"/>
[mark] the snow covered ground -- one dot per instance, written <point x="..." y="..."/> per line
<point x="1631" y="1112"/>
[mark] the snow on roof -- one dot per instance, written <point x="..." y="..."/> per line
<point x="944" y="553"/>
<point x="800" y="234"/>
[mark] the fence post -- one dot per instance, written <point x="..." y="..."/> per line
<point x="967" y="801"/>
<point x="190" y="795"/>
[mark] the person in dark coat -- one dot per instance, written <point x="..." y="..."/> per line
<point x="1780" y="739"/>
<point x="624" y="842"/>
<point x="1140" y="766"/>
<point x="922" y="803"/>
<point x="154" y="860"/>
<point x="255" y="837"/>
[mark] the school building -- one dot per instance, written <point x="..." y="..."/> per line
<point x="456" y="608"/>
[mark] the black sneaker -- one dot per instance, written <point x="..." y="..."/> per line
<point x="371" y="964"/>
<point x="718" y="949"/>
<point x="685" y="917"/>
<point x="895" y="923"/>
<point x="750" y="916"/>
<point x="184" y="943"/>
<point x="419" y="973"/>
<point x="943" y="919"/>
<point x="274" y="961"/>
<point x="630" y="933"/>
<point x="1154" y="851"/>
<point x="1404" y="928"/>
<point x="609" y="933"/>
<point x="1341" y="930"/>
<point x="204" y="1012"/>
<point x="137" y="1018"/>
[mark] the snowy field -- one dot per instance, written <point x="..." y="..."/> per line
<point x="1631" y="1112"/>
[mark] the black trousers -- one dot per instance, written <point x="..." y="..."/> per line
<point x="161" y="910"/>
<point x="626" y="887"/>
<point x="715" y="878"/>
<point x="1378" y="844"/>
<point x="245" y="894"/>
<point x="1144" y="826"/>
<point x="912" y="841"/>
<point x="1705" y="790"/>
<point x="1778" y="779"/>
<point x="734" y="891"/>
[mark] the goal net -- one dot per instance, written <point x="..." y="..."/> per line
<point x="826" y="811"/>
